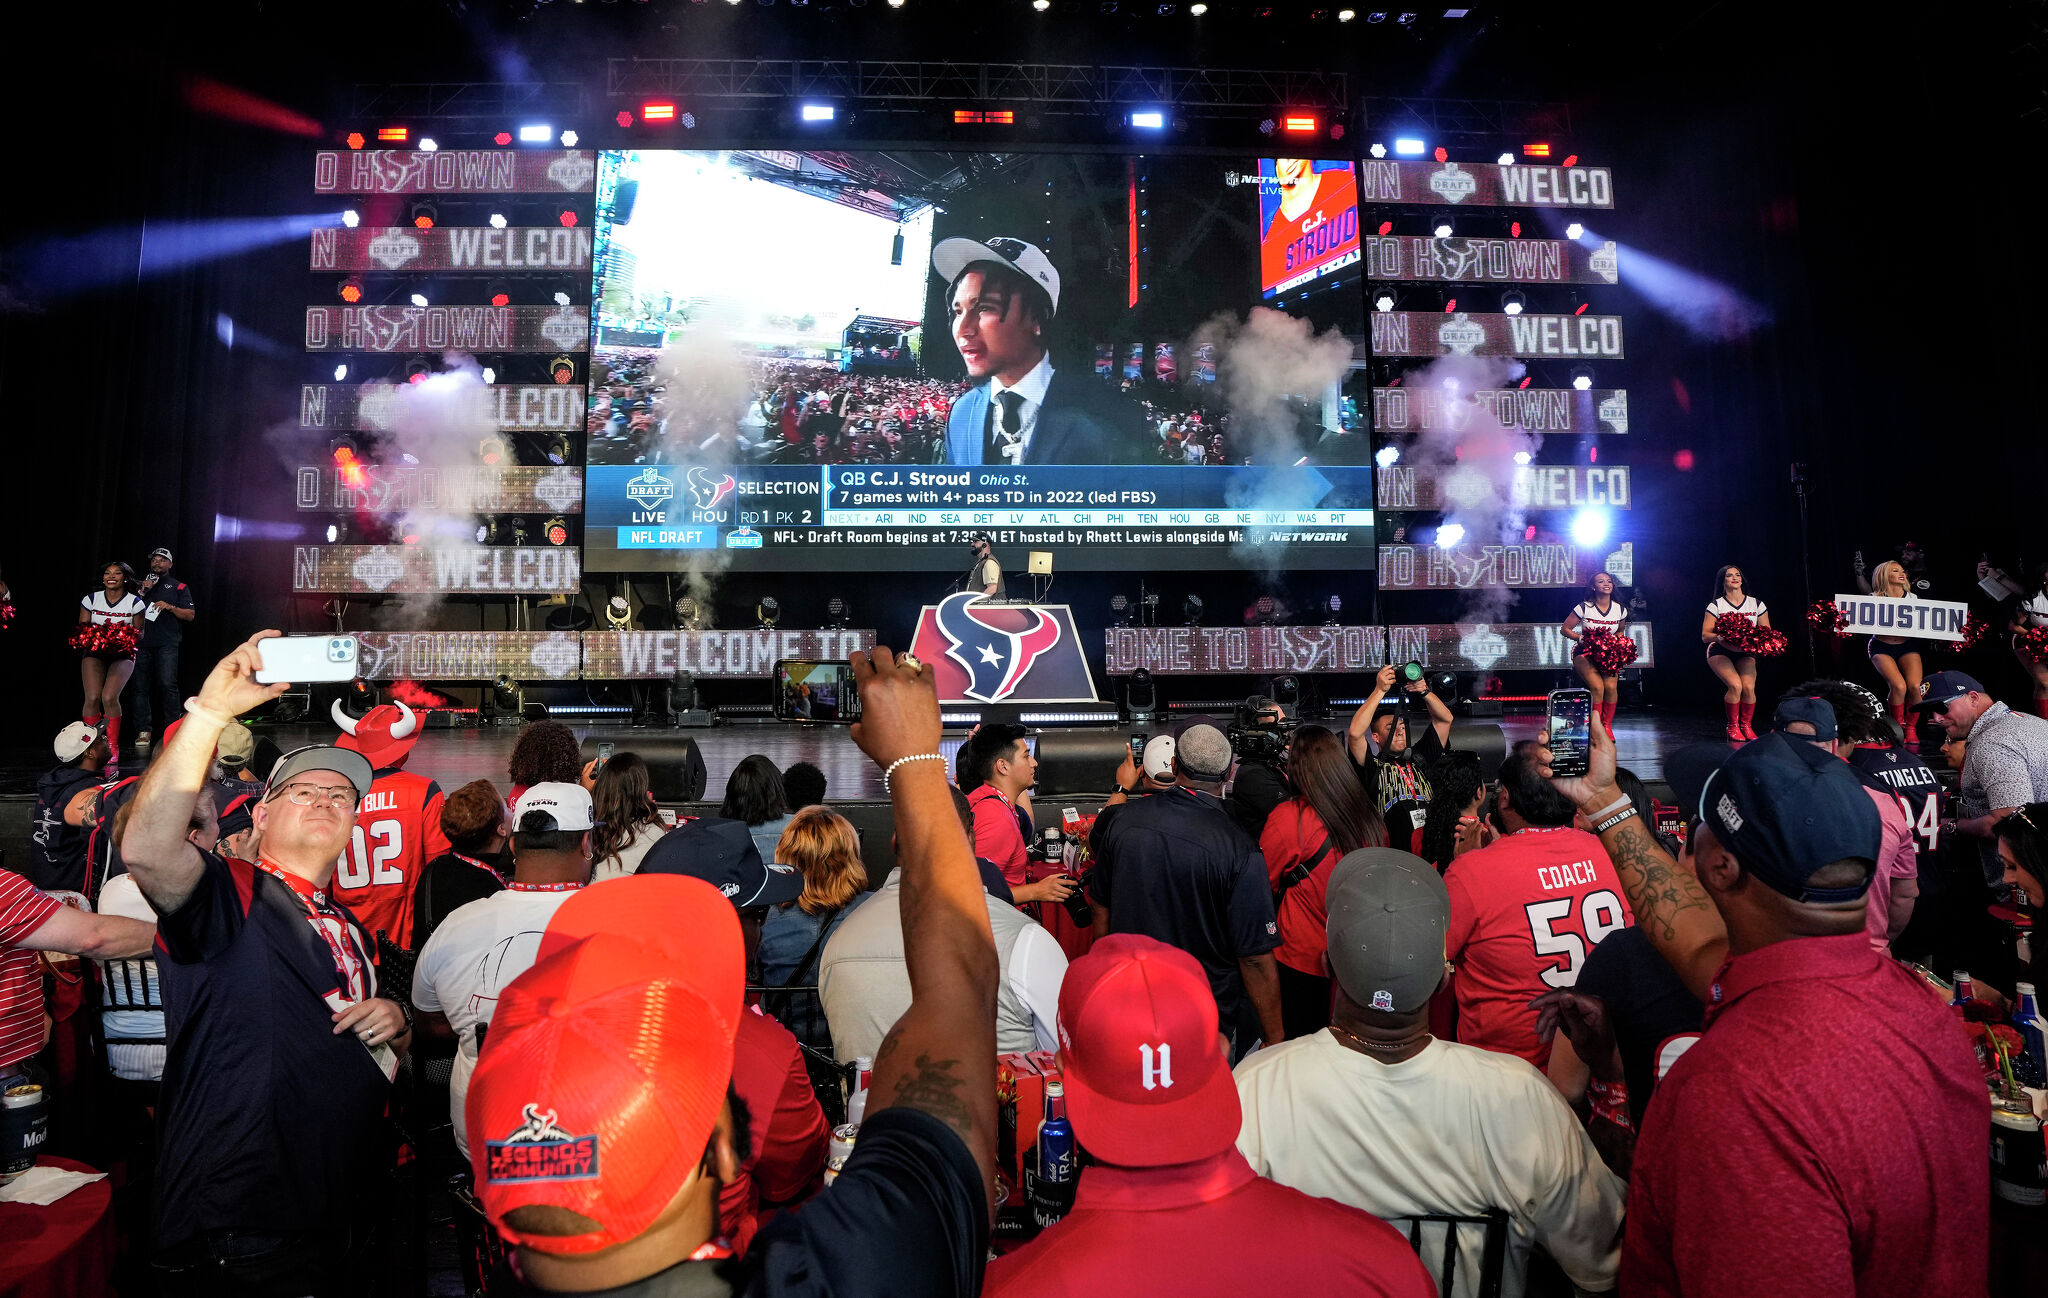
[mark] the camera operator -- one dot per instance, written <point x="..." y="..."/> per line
<point x="1260" y="740"/>
<point x="1392" y="750"/>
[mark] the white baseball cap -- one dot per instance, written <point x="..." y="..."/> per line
<point x="955" y="255"/>
<point x="1159" y="758"/>
<point x="569" y="804"/>
<point x="73" y="740"/>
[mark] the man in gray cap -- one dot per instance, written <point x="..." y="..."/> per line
<point x="1374" y="1112"/>
<point x="1175" y="866"/>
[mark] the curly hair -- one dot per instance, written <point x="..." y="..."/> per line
<point x="1457" y="779"/>
<point x="546" y="752"/>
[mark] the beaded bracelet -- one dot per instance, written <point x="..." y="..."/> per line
<point x="888" y="774"/>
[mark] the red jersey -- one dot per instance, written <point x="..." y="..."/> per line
<point x="1525" y="913"/>
<point x="1325" y="231"/>
<point x="398" y="830"/>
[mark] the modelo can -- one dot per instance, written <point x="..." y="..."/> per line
<point x="1056" y="1137"/>
<point x="24" y="1126"/>
<point x="2019" y="1164"/>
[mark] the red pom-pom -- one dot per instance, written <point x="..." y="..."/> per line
<point x="2033" y="642"/>
<point x="112" y="637"/>
<point x="1827" y="618"/>
<point x="1610" y="651"/>
<point x="1740" y="632"/>
<point x="1974" y="630"/>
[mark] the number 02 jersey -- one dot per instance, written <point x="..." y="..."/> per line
<point x="1525" y="913"/>
<point x="398" y="830"/>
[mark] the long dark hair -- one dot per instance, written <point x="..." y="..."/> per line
<point x="1613" y="594"/>
<point x="1721" y="581"/>
<point x="1321" y="771"/>
<point x="619" y="799"/>
<point x="127" y="574"/>
<point x="753" y="792"/>
<point x="2027" y="830"/>
<point x="1454" y="783"/>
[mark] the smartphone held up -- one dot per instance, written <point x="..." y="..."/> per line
<point x="306" y="659"/>
<point x="816" y="691"/>
<point x="1570" y="721"/>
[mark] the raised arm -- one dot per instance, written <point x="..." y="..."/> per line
<point x="941" y="1055"/>
<point x="1359" y="734"/>
<point x="1670" y="906"/>
<point x="165" y="864"/>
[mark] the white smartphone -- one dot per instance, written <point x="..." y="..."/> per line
<point x="306" y="659"/>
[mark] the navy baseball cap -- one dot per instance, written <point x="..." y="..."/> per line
<point x="1944" y="687"/>
<point x="1783" y="807"/>
<point x="721" y="852"/>
<point x="1818" y="713"/>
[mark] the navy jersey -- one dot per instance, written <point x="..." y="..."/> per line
<point x="1913" y="783"/>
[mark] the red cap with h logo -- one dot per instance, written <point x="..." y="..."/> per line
<point x="1147" y="1080"/>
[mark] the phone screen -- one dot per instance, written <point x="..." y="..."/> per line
<point x="1571" y="736"/>
<point x="604" y="754"/>
<point x="816" y="691"/>
<point x="1138" y="742"/>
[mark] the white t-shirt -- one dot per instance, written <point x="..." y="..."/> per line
<point x="103" y="612"/>
<point x="627" y="859"/>
<point x="476" y="951"/>
<point x="1750" y="606"/>
<point x="1455" y="1130"/>
<point x="132" y="1061"/>
<point x="1592" y="619"/>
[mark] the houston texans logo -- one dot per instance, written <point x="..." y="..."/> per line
<point x="707" y="492"/>
<point x="996" y="661"/>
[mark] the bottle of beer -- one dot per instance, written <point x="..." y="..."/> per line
<point x="1056" y="1136"/>
<point x="2033" y="1029"/>
<point x="1966" y="991"/>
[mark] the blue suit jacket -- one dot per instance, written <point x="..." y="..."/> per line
<point x="1083" y="420"/>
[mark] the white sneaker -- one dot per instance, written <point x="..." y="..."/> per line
<point x="142" y="741"/>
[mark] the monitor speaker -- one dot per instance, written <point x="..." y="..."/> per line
<point x="1489" y="741"/>
<point x="1079" y="761"/>
<point x="675" y="769"/>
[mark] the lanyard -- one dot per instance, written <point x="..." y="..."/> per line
<point x="542" y="887"/>
<point x="485" y="866"/>
<point x="351" y="962"/>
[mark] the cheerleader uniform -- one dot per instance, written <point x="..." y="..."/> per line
<point x="1592" y="619"/>
<point x="1907" y="644"/>
<point x="1739" y="714"/>
<point x="104" y="614"/>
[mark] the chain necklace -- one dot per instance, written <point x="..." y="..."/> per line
<point x="1382" y="1047"/>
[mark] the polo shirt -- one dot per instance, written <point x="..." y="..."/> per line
<point x="1759" y="1171"/>
<point x="1452" y="1130"/>
<point x="160" y="630"/>
<point x="270" y="1123"/>
<point x="2006" y="765"/>
<point x="23" y="910"/>
<point x="1175" y="866"/>
<point x="1209" y="1227"/>
<point x="1000" y="829"/>
<point x="1526" y="910"/>
<point x="1655" y="1017"/>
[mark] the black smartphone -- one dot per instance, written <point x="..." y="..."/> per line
<point x="604" y="754"/>
<point x="816" y="691"/>
<point x="1570" y="722"/>
<point x="1138" y="742"/>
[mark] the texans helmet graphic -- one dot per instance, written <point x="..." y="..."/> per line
<point x="996" y="661"/>
<point x="708" y="492"/>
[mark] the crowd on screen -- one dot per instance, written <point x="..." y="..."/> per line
<point x="1333" y="1007"/>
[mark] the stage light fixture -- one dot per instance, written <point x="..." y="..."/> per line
<point x="569" y="139"/>
<point x="1590" y="527"/>
<point x="342" y="448"/>
<point x="428" y="145"/>
<point x="1386" y="456"/>
<point x="839" y="613"/>
<point x="1449" y="536"/>
<point x="1523" y="457"/>
<point x="1150" y="119"/>
<point x="556" y="530"/>
<point x="505" y="693"/>
<point x="1571" y="159"/>
<point x="895" y="4"/>
<point x="1582" y="378"/>
<point x="768" y="612"/>
<point x="498" y="221"/>
<point x="1346" y="15"/>
<point x="419" y="299"/>
<point x="624" y="119"/>
<point x="1262" y="612"/>
<point x="1191" y="610"/>
<point x="1386" y="227"/>
<point x="1443" y="227"/>
<point x="1141" y="696"/>
<point x="355" y="140"/>
<point x="689" y="121"/>
<point x="1041" y="5"/>
<point x="563" y="370"/>
<point x="351" y="289"/>
<point x="1197" y="10"/>
<point x="1299" y="124"/>
<point x="1513" y="302"/>
<point x="1376" y="16"/>
<point x="1377" y="150"/>
<point x="501" y="298"/>
<point x="1442" y="154"/>
<point x="490" y="450"/>
<point x="558" y="449"/>
<point x="423" y="215"/>
<point x="391" y="135"/>
<point x="690" y="615"/>
<point x="538" y="133"/>
<point x="1573" y="231"/>
<point x="561" y="298"/>
<point x="817" y="112"/>
<point x="1408" y="148"/>
<point x="490" y="375"/>
<point x="483" y="533"/>
<point x="1332" y="606"/>
<point x="657" y="112"/>
<point x="1514" y="229"/>
<point x="1120" y="609"/>
<point x="340" y="372"/>
<point x="568" y="218"/>
<point x="1406" y="20"/>
<point x="502" y="138"/>
<point x="1506" y="159"/>
<point x="351" y="218"/>
<point x="1535" y="150"/>
<point x="333" y="533"/>
<point x="1383" y="300"/>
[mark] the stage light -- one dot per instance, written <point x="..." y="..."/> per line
<point x="1442" y="154"/>
<point x="1120" y="608"/>
<point x="502" y="138"/>
<point x="1589" y="527"/>
<point x="1582" y="379"/>
<point x="423" y="215"/>
<point x="556" y="530"/>
<point x="1535" y="150"/>
<point x="333" y="534"/>
<point x="1408" y="148"/>
<point x="1571" y="160"/>
<point x="1683" y="461"/>
<point x="1383" y="300"/>
<point x="624" y="118"/>
<point x="1523" y="457"/>
<point x="839" y="613"/>
<point x="355" y="140"/>
<point x="539" y="133"/>
<point x="1191" y="610"/>
<point x="351" y="218"/>
<point x="558" y="449"/>
<point x="490" y="375"/>
<point x="505" y="693"/>
<point x="568" y="218"/>
<point x="1378" y="150"/>
<point x="429" y="145"/>
<point x="342" y="448"/>
<point x="1506" y="159"/>
<point x="1332" y="606"/>
<point x="657" y="112"/>
<point x="1299" y="124"/>
<point x="351" y="289"/>
<point x="1449" y="536"/>
<point x="1198" y="9"/>
<point x="483" y="533"/>
<point x="1573" y="231"/>
<point x="1376" y="16"/>
<point x="498" y="221"/>
<point x="1141" y="696"/>
<point x="1406" y="20"/>
<point x="690" y="615"/>
<point x="1346" y="15"/>
<point x="1443" y="227"/>
<point x="1514" y="229"/>
<point x="1386" y="456"/>
<point x="893" y="4"/>
<point x="1262" y="611"/>
<point x="1041" y="5"/>
<point x="817" y="112"/>
<point x="1513" y="301"/>
<point x="501" y="299"/>
<point x="569" y="139"/>
<point x="490" y="450"/>
<point x="689" y="121"/>
<point x="391" y="135"/>
<point x="563" y="370"/>
<point x="1580" y="309"/>
<point x="768" y="612"/>
<point x="561" y="298"/>
<point x="1386" y="227"/>
<point x="419" y="299"/>
<point x="340" y="373"/>
<point x="1150" y="120"/>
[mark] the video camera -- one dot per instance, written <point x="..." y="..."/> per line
<point x="1255" y="738"/>
<point x="1053" y="847"/>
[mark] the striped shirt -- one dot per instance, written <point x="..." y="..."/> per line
<point x="23" y="910"/>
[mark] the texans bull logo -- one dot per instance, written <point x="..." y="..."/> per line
<point x="996" y="660"/>
<point x="708" y="492"/>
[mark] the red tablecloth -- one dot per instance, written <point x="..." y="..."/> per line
<point x="63" y="1250"/>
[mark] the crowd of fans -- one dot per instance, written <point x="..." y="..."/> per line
<point x="1336" y="1009"/>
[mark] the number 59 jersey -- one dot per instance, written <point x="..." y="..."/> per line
<point x="1525" y="913"/>
<point x="398" y="830"/>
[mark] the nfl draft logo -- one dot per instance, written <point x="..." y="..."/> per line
<point x="650" y="490"/>
<point x="539" y="1150"/>
<point x="393" y="248"/>
<point x="1482" y="646"/>
<point x="1453" y="185"/>
<point x="378" y="569"/>
<point x="1605" y="262"/>
<point x="572" y="170"/>
<point x="1003" y="653"/>
<point x="1614" y="411"/>
<point x="1461" y="335"/>
<point x="566" y="328"/>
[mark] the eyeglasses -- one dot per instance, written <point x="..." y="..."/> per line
<point x="305" y="795"/>
<point x="2020" y="814"/>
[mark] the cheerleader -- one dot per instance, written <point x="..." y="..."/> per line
<point x="2032" y="613"/>
<point x="105" y="672"/>
<point x="1602" y="612"/>
<point x="1897" y="658"/>
<point x="1736" y="669"/>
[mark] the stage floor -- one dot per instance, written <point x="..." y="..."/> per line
<point x="455" y="757"/>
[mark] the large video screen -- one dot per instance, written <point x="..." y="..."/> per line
<point x="857" y="361"/>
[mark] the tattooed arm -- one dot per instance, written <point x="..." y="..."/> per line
<point x="1671" y="908"/>
<point x="941" y="1055"/>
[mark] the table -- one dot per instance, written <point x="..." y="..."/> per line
<point x="61" y="1250"/>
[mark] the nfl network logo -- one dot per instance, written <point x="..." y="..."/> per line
<point x="650" y="490"/>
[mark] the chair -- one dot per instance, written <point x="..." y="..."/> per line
<point x="796" y="1007"/>
<point x="1493" y="1261"/>
<point x="129" y="987"/>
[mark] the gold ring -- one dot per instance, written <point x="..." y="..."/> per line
<point x="910" y="661"/>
